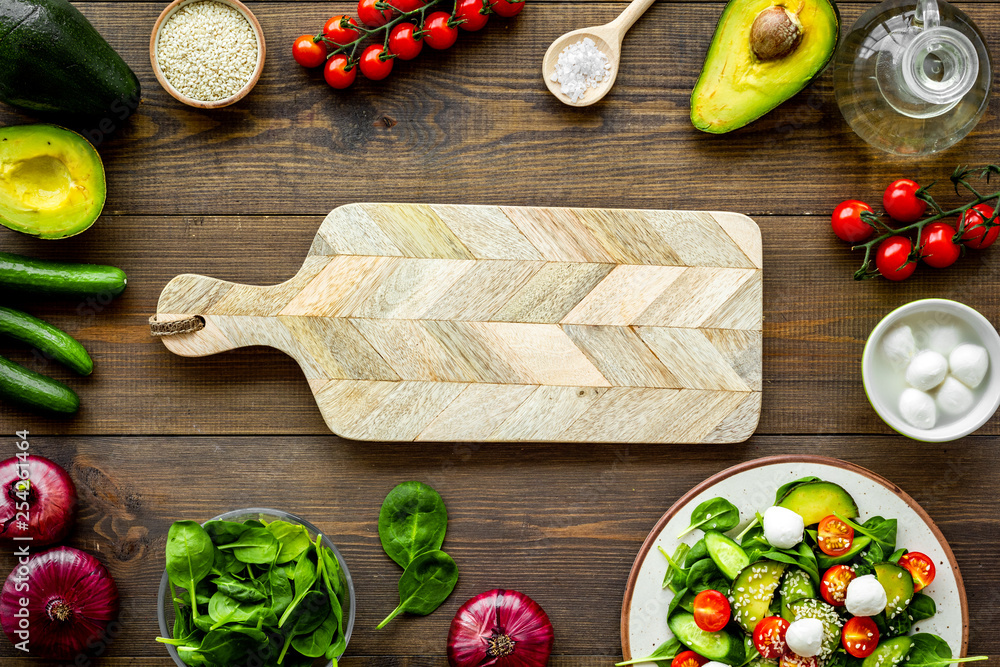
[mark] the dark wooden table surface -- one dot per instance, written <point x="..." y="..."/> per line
<point x="238" y="194"/>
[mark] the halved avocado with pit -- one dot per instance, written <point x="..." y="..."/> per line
<point x="51" y="181"/>
<point x="763" y="52"/>
<point x="814" y="501"/>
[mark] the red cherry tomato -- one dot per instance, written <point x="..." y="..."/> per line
<point x="901" y="202"/>
<point x="973" y="222"/>
<point x="794" y="660"/>
<point x="406" y="6"/>
<point x="507" y="9"/>
<point x="937" y="245"/>
<point x="833" y="585"/>
<point x="711" y="610"/>
<point x="471" y="15"/>
<point x="307" y="52"/>
<point x="337" y="73"/>
<point x="403" y="42"/>
<point x="892" y="259"/>
<point x="688" y="659"/>
<point x="371" y="15"/>
<point x="769" y="637"/>
<point x="921" y="567"/>
<point x="847" y="222"/>
<point x="335" y="31"/>
<point x="373" y="64"/>
<point x="834" y="536"/>
<point x="438" y="31"/>
<point x="859" y="636"/>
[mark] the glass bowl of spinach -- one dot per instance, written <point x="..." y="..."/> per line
<point x="269" y="587"/>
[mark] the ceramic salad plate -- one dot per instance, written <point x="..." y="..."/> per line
<point x="751" y="486"/>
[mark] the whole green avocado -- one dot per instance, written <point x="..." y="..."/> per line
<point x="54" y="63"/>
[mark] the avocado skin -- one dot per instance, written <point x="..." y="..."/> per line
<point x="54" y="63"/>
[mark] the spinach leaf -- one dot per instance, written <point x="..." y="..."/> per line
<point x="921" y="607"/>
<point x="336" y="649"/>
<point x="226" y="563"/>
<point x="931" y="651"/>
<point x="674" y="571"/>
<point x="425" y="585"/>
<point x="292" y="538"/>
<point x="224" y="532"/>
<point x="841" y="658"/>
<point x="882" y="531"/>
<point x="305" y="577"/>
<point x="329" y="573"/>
<point x="221" y="647"/>
<point x="897" y="625"/>
<point x="280" y="591"/>
<point x="223" y="609"/>
<point x="241" y="591"/>
<point x="697" y="552"/>
<point x="704" y="575"/>
<point x="314" y="645"/>
<point x="255" y="546"/>
<point x="203" y="593"/>
<point x="802" y="556"/>
<point x="190" y="556"/>
<point x="896" y="555"/>
<point x="662" y="656"/>
<point x="713" y="514"/>
<point x="305" y="618"/>
<point x="413" y="520"/>
<point x="678" y="601"/>
<point x="785" y="488"/>
<point x="332" y="571"/>
<point x="873" y="554"/>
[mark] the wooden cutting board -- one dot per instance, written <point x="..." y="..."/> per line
<point x="482" y="323"/>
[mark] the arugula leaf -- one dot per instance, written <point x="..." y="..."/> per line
<point x="713" y="514"/>
<point x="931" y="651"/>
<point x="785" y="488"/>
<point x="662" y="656"/>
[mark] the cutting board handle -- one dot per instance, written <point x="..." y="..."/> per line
<point x="182" y="317"/>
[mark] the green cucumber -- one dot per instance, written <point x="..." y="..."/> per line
<point x="889" y="653"/>
<point x="50" y="341"/>
<point x="25" y="274"/>
<point x="797" y="585"/>
<point x="26" y="387"/>
<point x="719" y="646"/>
<point x="729" y="557"/>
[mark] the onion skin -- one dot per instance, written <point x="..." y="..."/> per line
<point x="51" y="502"/>
<point x="71" y="601"/>
<point x="501" y="628"/>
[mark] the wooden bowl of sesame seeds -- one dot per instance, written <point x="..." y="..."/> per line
<point x="207" y="53"/>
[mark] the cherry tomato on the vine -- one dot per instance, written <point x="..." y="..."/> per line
<point x="901" y="202"/>
<point x="403" y="41"/>
<point x="834" y="536"/>
<point x="471" y="15"/>
<point x="937" y="245"/>
<point x="892" y="259"/>
<point x="711" y="610"/>
<point x="847" y="222"/>
<point x="337" y="74"/>
<point x="307" y="52"/>
<point x="833" y="585"/>
<point x="334" y="30"/>
<point x="921" y="567"/>
<point x="406" y="6"/>
<point x="769" y="637"/>
<point x="860" y="636"/>
<point x="374" y="65"/>
<point x="438" y="31"/>
<point x="506" y="8"/>
<point x="372" y="16"/>
<point x="688" y="659"/>
<point x="973" y="222"/>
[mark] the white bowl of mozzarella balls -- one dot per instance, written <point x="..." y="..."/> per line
<point x="930" y="370"/>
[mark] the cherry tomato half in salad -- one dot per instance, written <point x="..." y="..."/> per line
<point x="375" y="63"/>
<point x="335" y="31"/>
<point x="403" y="41"/>
<point x="471" y="15"/>
<point x="937" y="245"/>
<point x="834" y="536"/>
<point x="337" y="74"/>
<point x="901" y="202"/>
<point x="372" y="16"/>
<point x="833" y="585"/>
<point x="307" y="52"/>
<point x="847" y="222"/>
<point x="790" y="659"/>
<point x="506" y="9"/>
<point x="860" y="636"/>
<point x="711" y="610"/>
<point x="921" y="567"/>
<point x="438" y="31"/>
<point x="892" y="259"/>
<point x="973" y="222"/>
<point x="688" y="659"/>
<point x="769" y="637"/>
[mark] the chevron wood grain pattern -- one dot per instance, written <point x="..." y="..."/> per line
<point x="460" y="323"/>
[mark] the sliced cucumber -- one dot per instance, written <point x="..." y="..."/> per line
<point x="752" y="592"/>
<point x="21" y="385"/>
<point x="719" y="646"/>
<point x="729" y="557"/>
<point x="889" y="653"/>
<point x="812" y="608"/>
<point x="52" y="342"/>
<point x="797" y="585"/>
<point x="26" y="274"/>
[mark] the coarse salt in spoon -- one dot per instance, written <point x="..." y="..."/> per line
<point x="581" y="61"/>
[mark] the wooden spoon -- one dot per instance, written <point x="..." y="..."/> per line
<point x="608" y="38"/>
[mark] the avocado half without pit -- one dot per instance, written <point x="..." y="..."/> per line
<point x="51" y="181"/>
<point x="763" y="52"/>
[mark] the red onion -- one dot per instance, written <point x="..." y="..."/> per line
<point x="503" y="628"/>
<point x="50" y="496"/>
<point x="71" y="599"/>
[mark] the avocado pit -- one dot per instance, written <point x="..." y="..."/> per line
<point x="775" y="33"/>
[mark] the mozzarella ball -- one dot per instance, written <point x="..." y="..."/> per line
<point x="783" y="528"/>
<point x="943" y="339"/>
<point x="865" y="596"/>
<point x="899" y="347"/>
<point x="713" y="663"/>
<point x="954" y="398"/>
<point x="804" y="637"/>
<point x="969" y="364"/>
<point x="917" y="408"/>
<point x="927" y="370"/>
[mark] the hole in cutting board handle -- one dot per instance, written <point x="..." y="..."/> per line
<point x="176" y="327"/>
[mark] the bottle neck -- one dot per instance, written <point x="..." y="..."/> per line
<point x="940" y="64"/>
